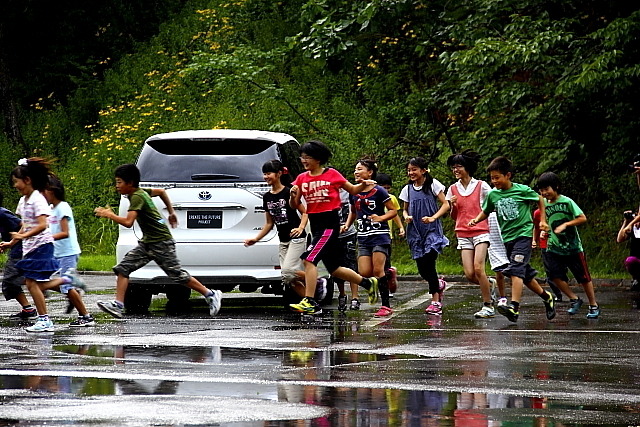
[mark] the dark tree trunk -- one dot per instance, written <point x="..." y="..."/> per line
<point x="7" y="104"/>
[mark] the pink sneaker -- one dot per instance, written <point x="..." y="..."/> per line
<point x="435" y="308"/>
<point x="393" y="280"/>
<point x="384" y="312"/>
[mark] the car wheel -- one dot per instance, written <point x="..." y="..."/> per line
<point x="178" y="299"/>
<point x="137" y="299"/>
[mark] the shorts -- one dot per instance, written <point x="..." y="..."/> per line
<point x="349" y="251"/>
<point x="369" y="250"/>
<point x="557" y="266"/>
<point x="68" y="262"/>
<point x="472" y="242"/>
<point x="289" y="256"/>
<point x="163" y="253"/>
<point x="12" y="280"/>
<point x="498" y="258"/>
<point x="519" y="254"/>
<point x="325" y="246"/>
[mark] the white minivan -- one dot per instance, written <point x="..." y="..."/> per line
<point x="215" y="183"/>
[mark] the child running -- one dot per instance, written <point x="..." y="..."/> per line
<point x="511" y="201"/>
<point x="12" y="280"/>
<point x="320" y="187"/>
<point x="424" y="232"/>
<point x="564" y="248"/>
<point x="374" y="240"/>
<point x="66" y="249"/>
<point x="31" y="178"/>
<point x="157" y="243"/>
<point x="466" y="197"/>
<point x="288" y="223"/>
<point x="349" y="243"/>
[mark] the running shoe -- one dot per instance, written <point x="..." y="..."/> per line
<point x="384" y="312"/>
<point x="321" y="289"/>
<point x="393" y="280"/>
<point x="214" y="301"/>
<point x="635" y="286"/>
<point x="509" y="312"/>
<point x="342" y="303"/>
<point x="435" y="308"/>
<point x="25" y="315"/>
<point x="41" y="326"/>
<point x="306" y="307"/>
<point x="502" y="301"/>
<point x="373" y="290"/>
<point x="83" y="321"/>
<point x="442" y="285"/>
<point x="355" y="304"/>
<point x="112" y="308"/>
<point x="575" y="305"/>
<point x="594" y="312"/>
<point x="485" y="312"/>
<point x="550" y="306"/>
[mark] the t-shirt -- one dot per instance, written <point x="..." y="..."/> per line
<point x="370" y="203"/>
<point x="10" y="223"/>
<point x="29" y="210"/>
<point x="513" y="208"/>
<point x="436" y="188"/>
<point x="153" y="225"/>
<point x="537" y="235"/>
<point x="562" y="210"/>
<point x="284" y="216"/>
<point x="321" y="192"/>
<point x="396" y="206"/>
<point x="69" y="245"/>
<point x="345" y="209"/>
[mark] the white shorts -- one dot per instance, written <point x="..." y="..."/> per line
<point x="472" y="242"/>
<point x="290" y="261"/>
<point x="497" y="253"/>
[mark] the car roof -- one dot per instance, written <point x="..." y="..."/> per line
<point x="213" y="134"/>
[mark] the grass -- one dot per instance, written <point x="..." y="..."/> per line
<point x="90" y="262"/>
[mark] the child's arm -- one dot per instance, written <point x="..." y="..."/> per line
<point x="359" y="187"/>
<point x="625" y="230"/>
<point x="39" y="228"/>
<point x="294" y="197"/>
<point x="164" y="196"/>
<point x="106" y="212"/>
<point x="444" y="208"/>
<point x="405" y="213"/>
<point x="389" y="214"/>
<point x="350" y="219"/>
<point x="481" y="217"/>
<point x="268" y="226"/>
<point x="64" y="230"/>
<point x="304" y="218"/>
<point x="579" y="220"/>
<point x="398" y="222"/>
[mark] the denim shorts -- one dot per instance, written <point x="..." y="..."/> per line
<point x="519" y="254"/>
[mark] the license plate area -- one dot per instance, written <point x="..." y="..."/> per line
<point x="204" y="219"/>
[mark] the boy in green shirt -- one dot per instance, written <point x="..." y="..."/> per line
<point x="564" y="248"/>
<point x="157" y="243"/>
<point x="512" y="201"/>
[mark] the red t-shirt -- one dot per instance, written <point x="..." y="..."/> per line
<point x="537" y="237"/>
<point x="322" y="192"/>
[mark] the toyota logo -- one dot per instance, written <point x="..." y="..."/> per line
<point x="204" y="195"/>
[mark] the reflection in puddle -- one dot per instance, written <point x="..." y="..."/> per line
<point x="297" y="377"/>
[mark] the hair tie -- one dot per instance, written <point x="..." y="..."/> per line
<point x="285" y="171"/>
<point x="23" y="162"/>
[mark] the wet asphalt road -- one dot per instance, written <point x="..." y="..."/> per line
<point x="257" y="364"/>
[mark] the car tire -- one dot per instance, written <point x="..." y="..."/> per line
<point x="137" y="299"/>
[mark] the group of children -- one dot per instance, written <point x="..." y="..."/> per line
<point x="495" y="222"/>
<point x="42" y="240"/>
<point x="488" y="222"/>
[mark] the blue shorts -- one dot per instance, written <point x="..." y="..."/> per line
<point x="519" y="254"/>
<point x="369" y="250"/>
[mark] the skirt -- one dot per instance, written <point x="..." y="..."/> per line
<point x="39" y="264"/>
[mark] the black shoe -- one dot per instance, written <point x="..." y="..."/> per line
<point x="509" y="312"/>
<point x="25" y="315"/>
<point x="635" y="286"/>
<point x="550" y="306"/>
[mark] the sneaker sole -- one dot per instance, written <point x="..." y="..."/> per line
<point x="84" y="325"/>
<point x="109" y="311"/>
<point x="507" y="313"/>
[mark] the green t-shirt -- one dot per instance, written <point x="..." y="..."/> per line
<point x="562" y="210"/>
<point x="513" y="208"/>
<point x="154" y="228"/>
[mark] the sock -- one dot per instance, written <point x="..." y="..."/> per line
<point x="209" y="294"/>
<point x="119" y="303"/>
<point x="43" y="317"/>
<point x="546" y="296"/>
<point x="383" y="286"/>
<point x="516" y="305"/>
<point x="67" y="280"/>
<point x="365" y="283"/>
<point x="488" y="304"/>
<point x="27" y="307"/>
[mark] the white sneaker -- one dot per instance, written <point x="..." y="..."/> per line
<point x="112" y="308"/>
<point x="215" y="302"/>
<point x="485" y="312"/>
<point x="41" y="326"/>
<point x="503" y="302"/>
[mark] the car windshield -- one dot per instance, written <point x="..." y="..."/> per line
<point x="202" y="160"/>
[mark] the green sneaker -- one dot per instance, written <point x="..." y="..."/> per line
<point x="509" y="312"/>
<point x="373" y="290"/>
<point x="306" y="307"/>
<point x="550" y="305"/>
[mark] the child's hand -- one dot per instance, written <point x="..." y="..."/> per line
<point x="401" y="232"/>
<point x="17" y="236"/>
<point x="408" y="219"/>
<point x="544" y="226"/>
<point x="102" y="212"/>
<point x="453" y="199"/>
<point x="375" y="218"/>
<point x="559" y="229"/>
<point x="428" y="219"/>
<point x="296" y="232"/>
<point x="250" y="242"/>
<point x="173" y="220"/>
<point x="293" y="191"/>
<point x="472" y="223"/>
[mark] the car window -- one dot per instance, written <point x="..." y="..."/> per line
<point x="205" y="160"/>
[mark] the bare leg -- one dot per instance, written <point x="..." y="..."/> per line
<point x="565" y="288"/>
<point x="310" y="279"/>
<point x="37" y="295"/>
<point x="76" y="300"/>
<point x="22" y="299"/>
<point x="591" y="294"/>
<point x="500" y="283"/>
